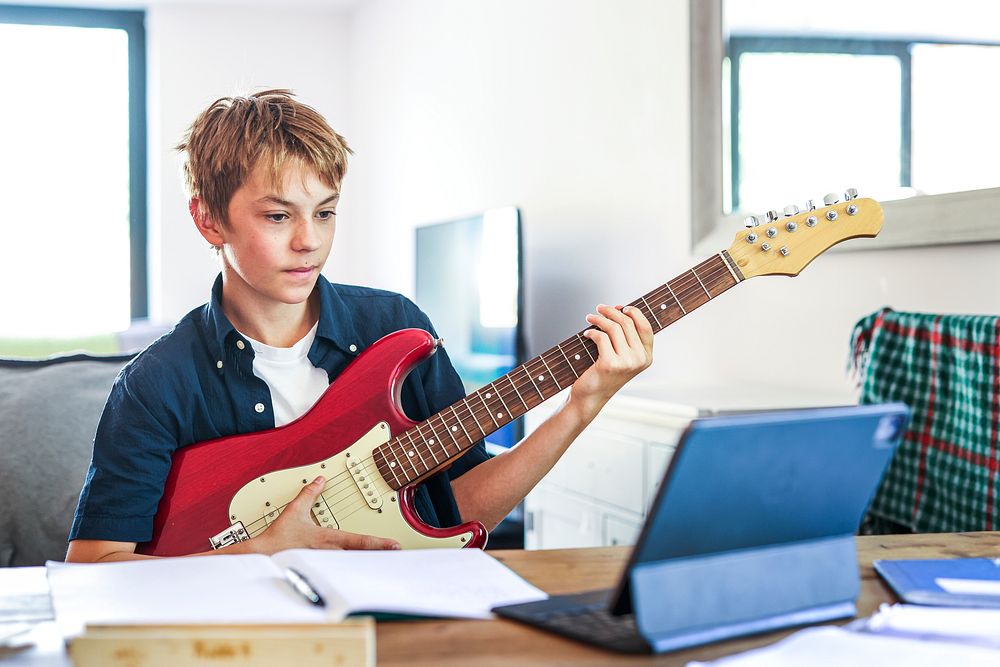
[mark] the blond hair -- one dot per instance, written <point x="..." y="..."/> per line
<point x="235" y="135"/>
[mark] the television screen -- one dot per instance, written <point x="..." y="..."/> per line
<point x="468" y="281"/>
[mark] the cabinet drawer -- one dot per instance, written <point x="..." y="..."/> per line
<point x="604" y="466"/>
<point x="619" y="530"/>
<point x="558" y="521"/>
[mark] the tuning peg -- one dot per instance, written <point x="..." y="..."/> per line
<point x="791" y="210"/>
<point x="810" y="205"/>
<point x="831" y="199"/>
<point x="850" y="194"/>
<point x="772" y="216"/>
<point x="752" y="221"/>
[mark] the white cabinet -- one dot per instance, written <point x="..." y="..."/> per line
<point x="600" y="490"/>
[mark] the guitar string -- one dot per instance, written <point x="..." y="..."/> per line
<point x="681" y="284"/>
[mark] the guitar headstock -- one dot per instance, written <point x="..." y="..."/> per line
<point x="784" y="243"/>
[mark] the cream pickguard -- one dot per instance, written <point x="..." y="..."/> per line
<point x="355" y="497"/>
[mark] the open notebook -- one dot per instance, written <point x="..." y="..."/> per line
<point x="462" y="583"/>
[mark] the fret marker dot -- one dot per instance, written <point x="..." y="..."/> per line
<point x="392" y="464"/>
<point x="499" y="414"/>
<point x="431" y="441"/>
<point x="541" y="377"/>
<point x="663" y="306"/>
<point x="454" y="428"/>
<point x="577" y="357"/>
<point x="489" y="395"/>
<point x="409" y="453"/>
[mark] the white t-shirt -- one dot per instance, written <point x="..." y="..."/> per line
<point x="294" y="382"/>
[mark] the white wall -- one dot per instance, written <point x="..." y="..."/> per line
<point x="575" y="111"/>
<point x="198" y="54"/>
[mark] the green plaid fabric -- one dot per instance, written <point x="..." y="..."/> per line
<point x="947" y="369"/>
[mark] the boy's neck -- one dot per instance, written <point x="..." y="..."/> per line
<point x="277" y="325"/>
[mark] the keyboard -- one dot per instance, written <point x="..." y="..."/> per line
<point x="584" y="617"/>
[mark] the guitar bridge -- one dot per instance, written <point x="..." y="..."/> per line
<point x="235" y="533"/>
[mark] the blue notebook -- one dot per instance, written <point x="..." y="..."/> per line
<point x="948" y="582"/>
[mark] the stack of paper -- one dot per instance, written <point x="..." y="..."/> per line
<point x="835" y="647"/>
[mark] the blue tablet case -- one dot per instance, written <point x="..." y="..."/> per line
<point x="753" y="527"/>
<point x="915" y="581"/>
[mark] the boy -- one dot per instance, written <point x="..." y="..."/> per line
<point x="264" y="173"/>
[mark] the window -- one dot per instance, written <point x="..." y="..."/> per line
<point x="73" y="176"/>
<point x="891" y="98"/>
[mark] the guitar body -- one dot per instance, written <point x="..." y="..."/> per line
<point x="241" y="483"/>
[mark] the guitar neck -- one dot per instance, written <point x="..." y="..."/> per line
<point x="430" y="445"/>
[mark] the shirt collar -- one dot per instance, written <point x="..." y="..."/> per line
<point x="336" y="322"/>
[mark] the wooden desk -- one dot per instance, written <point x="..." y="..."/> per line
<point x="501" y="642"/>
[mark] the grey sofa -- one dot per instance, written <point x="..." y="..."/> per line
<point x="49" y="411"/>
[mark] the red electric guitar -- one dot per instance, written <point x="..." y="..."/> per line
<point x="222" y="491"/>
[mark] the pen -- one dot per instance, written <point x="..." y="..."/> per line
<point x="302" y="585"/>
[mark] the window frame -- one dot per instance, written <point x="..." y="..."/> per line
<point x="133" y="22"/>
<point x="939" y="219"/>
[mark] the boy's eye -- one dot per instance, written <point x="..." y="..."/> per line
<point x="276" y="217"/>
<point x="326" y="215"/>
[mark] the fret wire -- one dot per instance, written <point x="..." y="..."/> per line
<point x="511" y="380"/>
<point x="459" y="419"/>
<point x="584" y="343"/>
<point x="389" y="465"/>
<point x="559" y="347"/>
<point x="525" y="367"/>
<point x="695" y="274"/>
<point x="549" y="371"/>
<point x="576" y="342"/>
<point x="676" y="299"/>
<point x="431" y="452"/>
<point x="437" y="440"/>
<point x="473" y="413"/>
<point x="420" y="454"/>
<point x="488" y="410"/>
<point x="651" y="313"/>
<point x="394" y="456"/>
<point x="408" y="458"/>
<point x="458" y="447"/>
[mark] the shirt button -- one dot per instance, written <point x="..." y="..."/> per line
<point x="240" y="344"/>
<point x="259" y="407"/>
<point x="218" y="364"/>
<point x="353" y="348"/>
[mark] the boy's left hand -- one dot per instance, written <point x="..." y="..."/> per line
<point x="624" y="340"/>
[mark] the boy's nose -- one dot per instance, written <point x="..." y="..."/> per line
<point x="306" y="237"/>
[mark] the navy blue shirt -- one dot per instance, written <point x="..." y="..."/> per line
<point x="196" y="383"/>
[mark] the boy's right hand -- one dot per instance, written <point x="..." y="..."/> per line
<point x="295" y="528"/>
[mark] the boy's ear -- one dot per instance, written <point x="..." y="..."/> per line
<point x="206" y="224"/>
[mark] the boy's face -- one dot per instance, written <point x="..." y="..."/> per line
<point x="277" y="241"/>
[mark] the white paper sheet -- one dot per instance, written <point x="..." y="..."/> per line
<point x="463" y="583"/>
<point x="205" y="589"/>
<point x="835" y="647"/>
<point x="969" y="586"/>
<point x="961" y="624"/>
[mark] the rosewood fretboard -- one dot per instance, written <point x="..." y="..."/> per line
<point x="430" y="445"/>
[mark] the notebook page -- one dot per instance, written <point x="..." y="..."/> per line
<point x="459" y="583"/>
<point x="204" y="589"/>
